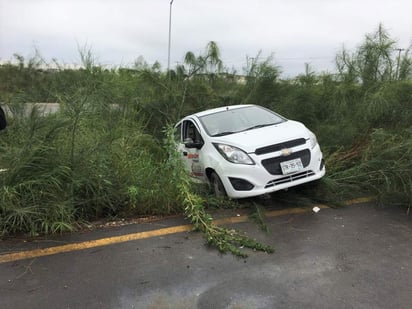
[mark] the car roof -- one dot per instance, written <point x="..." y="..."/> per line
<point x="220" y="109"/>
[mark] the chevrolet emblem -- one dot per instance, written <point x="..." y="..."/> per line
<point x="286" y="152"/>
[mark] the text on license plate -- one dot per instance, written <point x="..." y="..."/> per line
<point x="291" y="166"/>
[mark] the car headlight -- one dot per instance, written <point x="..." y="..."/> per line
<point x="312" y="139"/>
<point x="234" y="154"/>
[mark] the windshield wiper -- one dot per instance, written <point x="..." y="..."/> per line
<point x="223" y="133"/>
<point x="251" y="128"/>
<point x="259" y="126"/>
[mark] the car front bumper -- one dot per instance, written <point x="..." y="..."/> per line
<point x="261" y="181"/>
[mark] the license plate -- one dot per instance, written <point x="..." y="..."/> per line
<point x="291" y="166"/>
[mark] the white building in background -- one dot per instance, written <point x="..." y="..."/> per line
<point x="48" y="66"/>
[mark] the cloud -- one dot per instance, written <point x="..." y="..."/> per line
<point x="296" y="31"/>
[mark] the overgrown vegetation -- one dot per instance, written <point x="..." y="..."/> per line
<point x="103" y="153"/>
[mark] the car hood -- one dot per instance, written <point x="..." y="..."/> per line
<point x="250" y="140"/>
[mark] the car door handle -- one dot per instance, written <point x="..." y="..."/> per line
<point x="185" y="153"/>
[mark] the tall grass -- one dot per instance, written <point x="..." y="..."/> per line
<point x="383" y="168"/>
<point x="89" y="160"/>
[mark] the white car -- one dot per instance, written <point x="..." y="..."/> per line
<point x="248" y="150"/>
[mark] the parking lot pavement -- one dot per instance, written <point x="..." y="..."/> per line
<point x="353" y="257"/>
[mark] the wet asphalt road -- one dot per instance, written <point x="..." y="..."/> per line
<point x="353" y="257"/>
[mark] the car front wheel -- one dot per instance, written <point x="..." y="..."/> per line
<point x="217" y="185"/>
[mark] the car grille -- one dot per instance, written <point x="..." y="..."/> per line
<point x="289" y="178"/>
<point x="272" y="165"/>
<point x="280" y="146"/>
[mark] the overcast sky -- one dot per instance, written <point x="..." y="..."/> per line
<point x="119" y="31"/>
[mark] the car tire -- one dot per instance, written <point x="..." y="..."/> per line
<point x="217" y="185"/>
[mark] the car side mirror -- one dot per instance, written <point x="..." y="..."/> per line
<point x="189" y="143"/>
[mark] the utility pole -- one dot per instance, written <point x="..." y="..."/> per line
<point x="250" y="64"/>
<point x="170" y="33"/>
<point x="399" y="60"/>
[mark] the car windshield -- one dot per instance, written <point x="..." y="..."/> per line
<point x="239" y="119"/>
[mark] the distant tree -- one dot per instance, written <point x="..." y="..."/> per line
<point x="261" y="80"/>
<point x="375" y="61"/>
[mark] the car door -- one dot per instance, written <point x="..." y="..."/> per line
<point x="190" y="147"/>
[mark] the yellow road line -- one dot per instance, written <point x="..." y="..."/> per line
<point x="290" y="211"/>
<point x="92" y="243"/>
<point x="360" y="200"/>
<point x="10" y="257"/>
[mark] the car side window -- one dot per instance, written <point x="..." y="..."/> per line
<point x="190" y="132"/>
